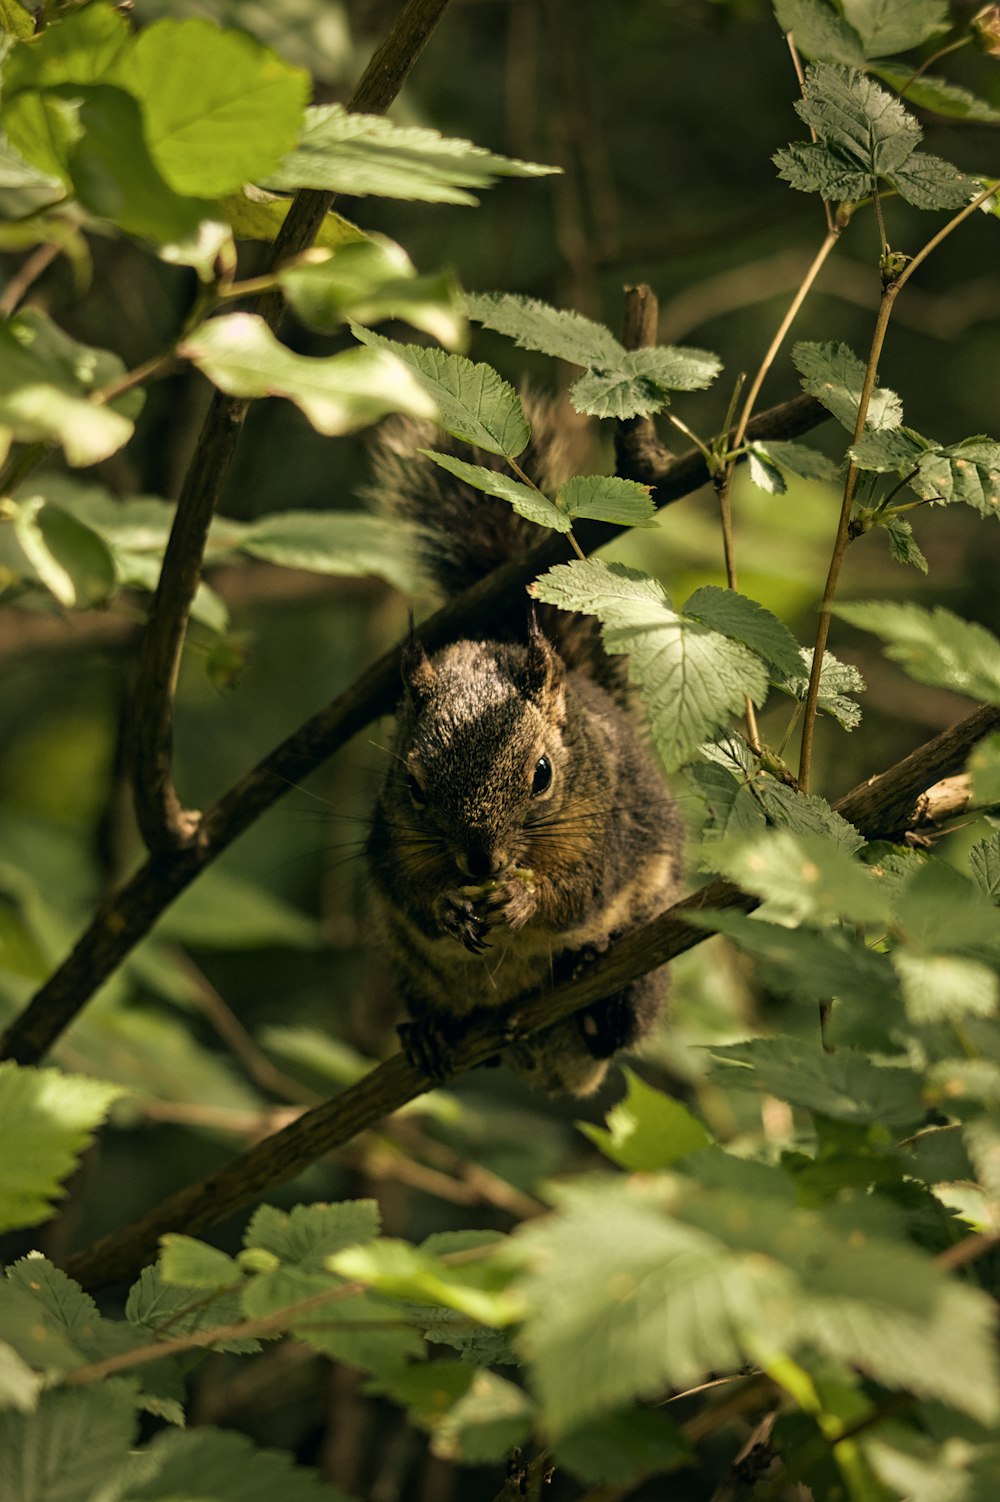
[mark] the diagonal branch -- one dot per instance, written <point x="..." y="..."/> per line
<point x="873" y="807"/>
<point x="127" y="914"/>
<point x="165" y="824"/>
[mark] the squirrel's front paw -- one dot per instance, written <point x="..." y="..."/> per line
<point x="511" y="903"/>
<point x="460" y="919"/>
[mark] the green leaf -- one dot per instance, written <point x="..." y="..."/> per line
<point x="338" y="393"/>
<point x="984" y="767"/>
<point x="798" y="458"/>
<point x="343" y="543"/>
<point x="928" y="182"/>
<point x="19" y="1385"/>
<point x="214" y="1465"/>
<point x="806" y="965"/>
<point x="846" y="1086"/>
<point x="486" y="1422"/>
<point x="940" y="911"/>
<point x="537" y="325"/>
<point x="934" y="94"/>
<point x="253" y="214"/>
<point x="473" y="403"/>
<point x="819" y="33"/>
<point x="639" y="384"/>
<point x="361" y="1330"/>
<point x="887" y="26"/>
<point x="195" y="1264"/>
<point x="893" y="450"/>
<point x="219" y="108"/>
<point x="837" y="680"/>
<point x="764" y="474"/>
<point x="933" y="646"/>
<point x="155" y="1306"/>
<point x="620" y="1448"/>
<point x="854" y="116"/>
<point x="902" y="544"/>
<point x="44" y="380"/>
<point x="531" y="504"/>
<point x="369" y="280"/>
<point x="941" y="988"/>
<point x="230" y="912"/>
<point x="67" y="558"/>
<point x="605" y="498"/>
<point x="66" y="1450"/>
<point x="15" y="20"/>
<point x="812" y="168"/>
<point x="834" y="375"/>
<point x="307" y="1236"/>
<point x="691" y="677"/>
<point x="968" y="471"/>
<point x="647" y="1130"/>
<point x="742" y="619"/>
<point x="361" y="154"/>
<point x="984" y="864"/>
<point x="804" y="877"/>
<point x="47" y="1119"/>
<point x="406" y="1272"/>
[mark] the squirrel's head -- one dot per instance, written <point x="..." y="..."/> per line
<point x="481" y="754"/>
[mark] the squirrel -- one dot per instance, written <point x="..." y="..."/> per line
<point x="523" y="822"/>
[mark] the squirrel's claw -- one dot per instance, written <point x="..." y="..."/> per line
<point x="459" y="919"/>
<point x="426" y="1048"/>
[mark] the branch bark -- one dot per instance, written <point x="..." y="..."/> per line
<point x="165" y="823"/>
<point x="128" y="914"/>
<point x="394" y="1083"/>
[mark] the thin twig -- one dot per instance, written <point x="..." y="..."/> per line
<point x="24" y="278"/>
<point x="165" y="823"/>
<point x="872" y="807"/>
<point x="800" y="75"/>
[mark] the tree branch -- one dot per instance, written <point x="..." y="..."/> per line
<point x="394" y="1083"/>
<point x="165" y="824"/>
<point x="128" y="914"/>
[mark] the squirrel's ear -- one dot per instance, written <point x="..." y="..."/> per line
<point x="416" y="668"/>
<point x="542" y="674"/>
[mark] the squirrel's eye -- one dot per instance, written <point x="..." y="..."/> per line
<point x="415" y="791"/>
<point x="542" y="780"/>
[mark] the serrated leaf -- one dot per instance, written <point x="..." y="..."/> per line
<point x="214" y="1465"/>
<point x="531" y="504"/>
<point x="857" y="118"/>
<point x="306" y="1236"/>
<point x="984" y="768"/>
<point x="154" y="1306"/>
<point x="805" y="814"/>
<point x="812" y="168"/>
<point x="806" y="878"/>
<point x="66" y="1450"/>
<point x="536" y="325"/>
<point x="647" y="1130"/>
<point x="370" y="280"/>
<point x="940" y="911"/>
<point x="486" y="1422"/>
<point x="798" y="458"/>
<point x="44" y="380"/>
<point x="195" y="1264"/>
<point x="46" y="1120"/>
<point x="361" y="154"/>
<point x="219" y="109"/>
<point x="968" y="471"/>
<point x="834" y="375"/>
<point x="939" y="988"/>
<point x="902" y="544"/>
<point x="745" y="620"/>
<point x="764" y="474"/>
<point x="928" y="182"/>
<point x="890" y="451"/>
<point x="606" y="498"/>
<point x="846" y="1086"/>
<point x="837" y="680"/>
<point x="619" y="1448"/>
<point x="342" y="543"/>
<point x="933" y="646"/>
<point x="337" y="393"/>
<point x="806" y="965"/>
<point x="639" y="384"/>
<point x="472" y="402"/>
<point x="362" y="1329"/>
<point x="819" y="33"/>
<point x="690" y="677"/>
<point x="887" y="26"/>
<point x="936" y="95"/>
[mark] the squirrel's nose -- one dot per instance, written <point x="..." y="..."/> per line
<point x="480" y="859"/>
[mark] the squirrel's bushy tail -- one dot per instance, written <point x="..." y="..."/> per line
<point x="463" y="534"/>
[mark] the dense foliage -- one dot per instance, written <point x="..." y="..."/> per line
<point x="790" y="1277"/>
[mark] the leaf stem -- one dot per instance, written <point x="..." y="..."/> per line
<point x="929" y="62"/>
<point x="942" y="234"/>
<point x="889" y="293"/>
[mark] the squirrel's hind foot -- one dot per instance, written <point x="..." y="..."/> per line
<point x="427" y="1048"/>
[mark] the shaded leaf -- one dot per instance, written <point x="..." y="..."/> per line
<point x="933" y="646"/>
<point x="155" y="1306"/>
<point x="531" y="504"/>
<point x="887" y="26"/>
<point x="936" y="95"/>
<point x="745" y="620"/>
<point x="806" y="965"/>
<point x="44" y="380"/>
<point x="619" y="1448"/>
<point x="308" y="1235"/>
<point x="902" y="544"/>
<point x="939" y="988"/>
<point x="486" y="1422"/>
<point x="348" y="543"/>
<point x="66" y="1450"/>
<point x="338" y="393"/>
<point x="805" y="877"/>
<point x="214" y="1465"/>
<point x="195" y="1264"/>
<point x="834" y="375"/>
<point x="846" y="1085"/>
<point x="606" y="498"/>
<point x="819" y="33"/>
<point x="537" y="325"/>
